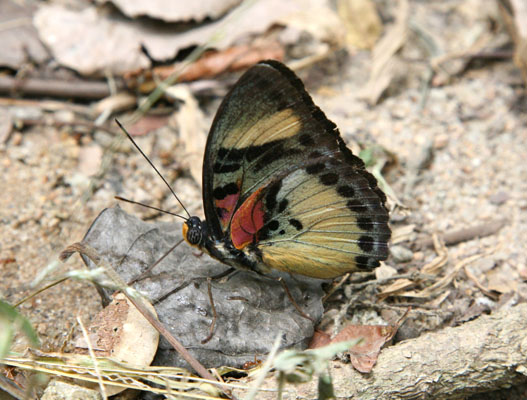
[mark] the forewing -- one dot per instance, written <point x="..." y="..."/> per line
<point x="266" y="125"/>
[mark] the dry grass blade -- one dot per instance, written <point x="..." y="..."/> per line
<point x="441" y="284"/>
<point x="160" y="380"/>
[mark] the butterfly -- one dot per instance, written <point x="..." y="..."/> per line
<point x="281" y="191"/>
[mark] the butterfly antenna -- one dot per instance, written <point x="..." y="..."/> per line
<point x="154" y="167"/>
<point x="147" y="206"/>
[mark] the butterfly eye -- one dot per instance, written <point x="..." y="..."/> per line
<point x="193" y="232"/>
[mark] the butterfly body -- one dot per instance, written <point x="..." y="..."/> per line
<point x="281" y="190"/>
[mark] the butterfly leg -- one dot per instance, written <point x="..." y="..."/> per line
<point x="295" y="304"/>
<point x="214" y="314"/>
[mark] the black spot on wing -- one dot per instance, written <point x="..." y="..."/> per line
<point x="329" y="178"/>
<point x="273" y="225"/>
<point x="296" y="223"/>
<point x="222" y="168"/>
<point x="346" y="191"/>
<point x="356" y="206"/>
<point x="221" y="192"/>
<point x="270" y="197"/>
<point x="306" y="140"/>
<point x="283" y="205"/>
<point x="366" y="224"/>
<point x="364" y="262"/>
<point x="366" y="243"/>
<point x="315" y="168"/>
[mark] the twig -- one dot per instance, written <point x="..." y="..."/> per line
<point x="54" y="88"/>
<point x="462" y="235"/>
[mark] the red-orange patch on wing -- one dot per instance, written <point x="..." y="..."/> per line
<point x="247" y="220"/>
<point x="226" y="207"/>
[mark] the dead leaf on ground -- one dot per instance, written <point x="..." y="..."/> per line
<point x="209" y="65"/>
<point x="383" y="58"/>
<point x="190" y="122"/>
<point x="113" y="45"/>
<point x="147" y="123"/>
<point x="20" y="43"/>
<point x="362" y="22"/>
<point x="396" y="287"/>
<point x="120" y="331"/>
<point x="319" y="339"/>
<point x="500" y="282"/>
<point x="515" y="19"/>
<point x="174" y="11"/>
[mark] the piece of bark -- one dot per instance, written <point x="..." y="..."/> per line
<point x="486" y="354"/>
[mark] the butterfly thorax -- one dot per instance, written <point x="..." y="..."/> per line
<point x="196" y="233"/>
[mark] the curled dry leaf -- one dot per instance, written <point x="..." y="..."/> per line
<point x="121" y="332"/>
<point x="211" y="64"/>
<point x="20" y="43"/>
<point x="174" y="11"/>
<point x="362" y="22"/>
<point x="113" y="45"/>
<point x="363" y="356"/>
<point x="383" y="63"/>
<point x="190" y="122"/>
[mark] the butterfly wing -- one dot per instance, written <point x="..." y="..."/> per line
<point x="278" y="181"/>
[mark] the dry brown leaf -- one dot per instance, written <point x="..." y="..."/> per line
<point x="363" y="356"/>
<point x="147" y="123"/>
<point x="189" y="120"/>
<point x="440" y="261"/>
<point x="319" y="339"/>
<point x="113" y="45"/>
<point x="395" y="287"/>
<point x="120" y="331"/>
<point x="319" y="20"/>
<point x="516" y="23"/>
<point x="174" y="11"/>
<point x="384" y="271"/>
<point x="500" y="282"/>
<point x="383" y="62"/>
<point x="20" y="43"/>
<point x="209" y="65"/>
<point x="362" y="22"/>
<point x="403" y="234"/>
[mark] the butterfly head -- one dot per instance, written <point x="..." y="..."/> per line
<point x="194" y="231"/>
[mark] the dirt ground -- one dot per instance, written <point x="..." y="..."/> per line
<point x="456" y="159"/>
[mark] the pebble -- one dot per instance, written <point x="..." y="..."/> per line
<point x="401" y="254"/>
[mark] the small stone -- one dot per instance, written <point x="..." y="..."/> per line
<point x="499" y="198"/>
<point x="401" y="254"/>
<point x="58" y="390"/>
